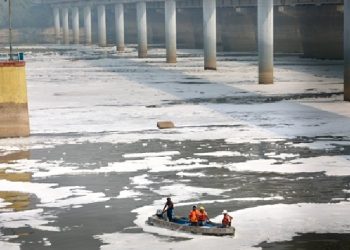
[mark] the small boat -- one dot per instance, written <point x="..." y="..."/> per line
<point x="182" y="224"/>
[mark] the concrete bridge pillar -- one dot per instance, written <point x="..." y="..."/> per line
<point x="170" y="31"/>
<point x="265" y="41"/>
<point x="119" y="26"/>
<point x="75" y="22"/>
<point x="65" y="25"/>
<point x="209" y="30"/>
<point x="141" y="29"/>
<point x="87" y="24"/>
<point x="56" y="19"/>
<point x="14" y="118"/>
<point x="347" y="50"/>
<point x="101" y="16"/>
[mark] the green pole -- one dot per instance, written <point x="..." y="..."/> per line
<point x="10" y="29"/>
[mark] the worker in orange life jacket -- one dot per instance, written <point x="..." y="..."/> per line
<point x="193" y="216"/>
<point x="202" y="217"/>
<point x="226" y="221"/>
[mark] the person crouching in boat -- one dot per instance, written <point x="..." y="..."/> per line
<point x="193" y="216"/>
<point x="169" y="209"/>
<point x="226" y="221"/>
<point x="202" y="217"/>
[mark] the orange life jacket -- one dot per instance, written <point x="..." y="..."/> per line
<point x="226" y="221"/>
<point x="193" y="216"/>
<point x="202" y="216"/>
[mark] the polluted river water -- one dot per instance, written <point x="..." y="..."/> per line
<point x="96" y="167"/>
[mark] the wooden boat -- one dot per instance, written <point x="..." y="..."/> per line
<point x="182" y="224"/>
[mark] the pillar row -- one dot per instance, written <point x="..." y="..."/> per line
<point x="101" y="16"/>
<point x="141" y="29"/>
<point x="170" y="31"/>
<point x="265" y="41"/>
<point x="209" y="36"/>
<point x="65" y="25"/>
<point x="75" y="22"/>
<point x="347" y="50"/>
<point x="87" y="24"/>
<point x="119" y="26"/>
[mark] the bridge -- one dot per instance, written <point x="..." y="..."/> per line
<point x="265" y="21"/>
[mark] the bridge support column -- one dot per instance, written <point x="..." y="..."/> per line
<point x="209" y="30"/>
<point x="65" y="25"/>
<point x="265" y="41"/>
<point x="119" y="26"/>
<point x="56" y="19"/>
<point x="170" y="31"/>
<point x="14" y="119"/>
<point x="75" y="22"/>
<point x="101" y="16"/>
<point x="87" y="24"/>
<point x="141" y="29"/>
<point x="347" y="50"/>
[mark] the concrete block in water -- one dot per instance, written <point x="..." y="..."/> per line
<point x="14" y="118"/>
<point x="165" y="124"/>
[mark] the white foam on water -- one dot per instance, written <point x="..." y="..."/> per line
<point x="184" y="174"/>
<point x="329" y="165"/>
<point x="180" y="192"/>
<point x="9" y="246"/>
<point x="151" y="154"/>
<point x="35" y="218"/>
<point x="269" y="223"/>
<point x="128" y="194"/>
<point x="46" y="242"/>
<point x="50" y="195"/>
<point x="283" y="156"/>
<point x="220" y="154"/>
<point x="140" y="181"/>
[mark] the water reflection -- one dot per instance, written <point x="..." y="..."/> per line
<point x="17" y="201"/>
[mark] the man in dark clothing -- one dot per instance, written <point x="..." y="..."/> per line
<point x="169" y="209"/>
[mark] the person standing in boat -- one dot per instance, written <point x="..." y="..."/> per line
<point x="226" y="221"/>
<point x="193" y="216"/>
<point x="169" y="209"/>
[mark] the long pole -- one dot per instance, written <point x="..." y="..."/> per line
<point x="10" y="29"/>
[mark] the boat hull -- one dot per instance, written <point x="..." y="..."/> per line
<point x="215" y="231"/>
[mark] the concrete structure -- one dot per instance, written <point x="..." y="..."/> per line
<point x="265" y="41"/>
<point x="300" y="28"/>
<point x="209" y="34"/>
<point x="14" y="118"/>
<point x="170" y="31"/>
<point x="75" y="24"/>
<point x="119" y="26"/>
<point x="101" y="17"/>
<point x="65" y="20"/>
<point x="57" y="23"/>
<point x="141" y="29"/>
<point x="87" y="24"/>
<point x="347" y="50"/>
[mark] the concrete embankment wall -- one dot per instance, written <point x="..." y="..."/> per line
<point x="316" y="31"/>
<point x="14" y="119"/>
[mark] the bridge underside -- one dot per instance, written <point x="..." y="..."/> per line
<point x="194" y="3"/>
